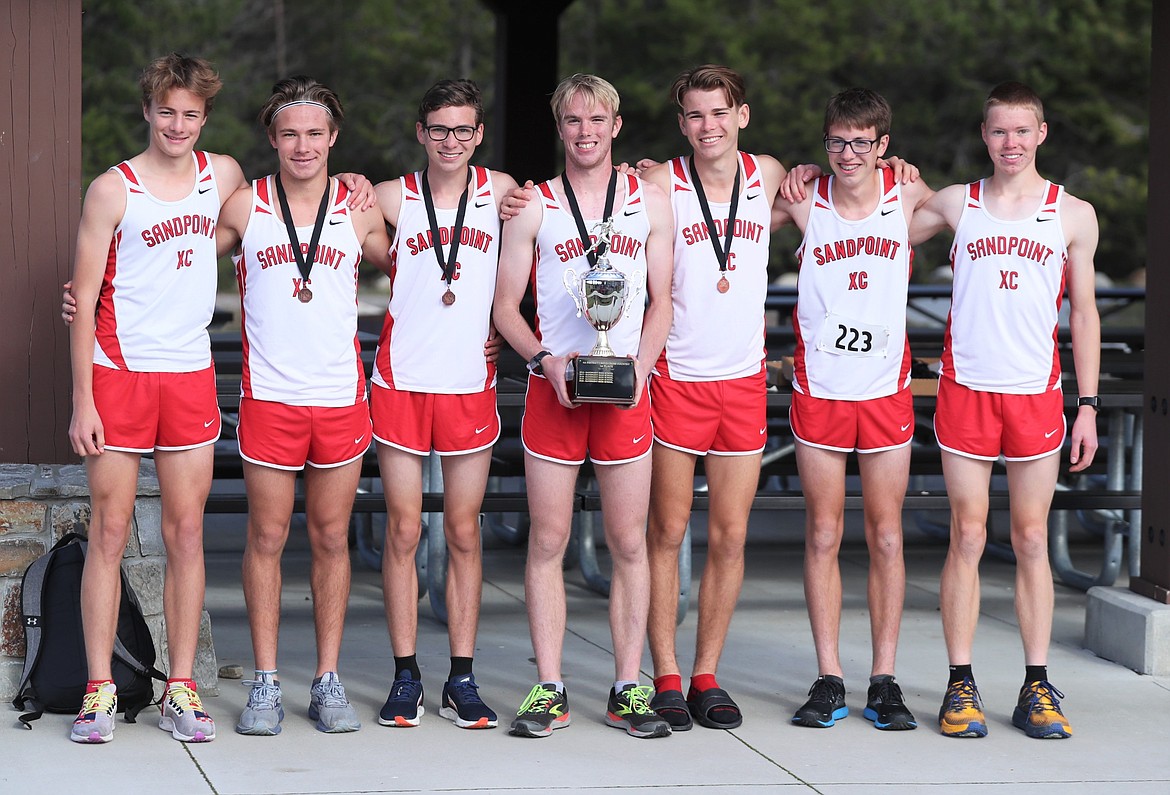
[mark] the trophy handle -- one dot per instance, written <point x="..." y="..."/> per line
<point x="570" y="279"/>
<point x="638" y="279"/>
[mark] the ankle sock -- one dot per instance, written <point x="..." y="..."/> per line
<point x="701" y="682"/>
<point x="460" y="666"/>
<point x="959" y="673"/>
<point x="668" y="682"/>
<point x="408" y="664"/>
<point x="1035" y="673"/>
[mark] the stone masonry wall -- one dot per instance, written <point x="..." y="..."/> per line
<point x="41" y="503"/>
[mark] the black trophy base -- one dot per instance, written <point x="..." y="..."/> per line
<point x="603" y="379"/>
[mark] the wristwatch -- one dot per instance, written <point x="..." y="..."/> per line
<point x="534" y="363"/>
<point x="1092" y="400"/>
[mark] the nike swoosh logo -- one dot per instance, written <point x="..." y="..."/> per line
<point x="904" y="427"/>
<point x="751" y="196"/>
<point x="204" y="190"/>
<point x="335" y="221"/>
<point x="763" y="431"/>
<point x="208" y="423"/>
<point x="478" y="431"/>
<point x="1051" y="433"/>
<point x="886" y="212"/>
<point x="482" y="204"/>
<point x="640" y="438"/>
<point x="1042" y="220"/>
<point x="631" y="212"/>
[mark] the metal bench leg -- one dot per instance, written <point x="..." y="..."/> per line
<point x="587" y="554"/>
<point x="513" y="536"/>
<point x="367" y="534"/>
<point x="436" y="552"/>
<point x="684" y="576"/>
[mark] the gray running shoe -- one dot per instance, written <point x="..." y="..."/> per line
<point x="263" y="714"/>
<point x="183" y="715"/>
<point x="329" y="706"/>
<point x="95" y="722"/>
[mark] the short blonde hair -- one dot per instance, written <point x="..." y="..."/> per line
<point x="1014" y="95"/>
<point x="593" y="88"/>
<point x="173" y="71"/>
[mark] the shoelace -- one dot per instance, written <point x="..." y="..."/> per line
<point x="1043" y="697"/>
<point x="264" y="695"/>
<point x="404" y="689"/>
<point x="889" y="693"/>
<point x="183" y="698"/>
<point x="98" y="701"/>
<point x="638" y="699"/>
<point x="538" y="700"/>
<point x="332" y="693"/>
<point x="963" y="696"/>
<point x="466" y="691"/>
<point x="823" y="690"/>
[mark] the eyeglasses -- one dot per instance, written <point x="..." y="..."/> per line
<point x="860" y="146"/>
<point x="438" y="132"/>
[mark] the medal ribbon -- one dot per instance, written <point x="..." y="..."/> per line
<point x="610" y="194"/>
<point x="304" y="264"/>
<point x="721" y="252"/>
<point x="447" y="267"/>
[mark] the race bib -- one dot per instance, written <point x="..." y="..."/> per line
<point x="842" y="336"/>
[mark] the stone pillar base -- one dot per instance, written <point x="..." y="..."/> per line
<point x="1129" y="629"/>
<point x="41" y="503"/>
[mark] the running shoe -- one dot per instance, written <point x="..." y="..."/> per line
<point x="1038" y="712"/>
<point x="263" y="713"/>
<point x="825" y="705"/>
<point x="961" y="714"/>
<point x="885" y="707"/>
<point x="404" y="705"/>
<point x="95" y="722"/>
<point x="329" y="706"/>
<point x="544" y="710"/>
<point x="629" y="709"/>
<point x="183" y="714"/>
<point x="462" y="704"/>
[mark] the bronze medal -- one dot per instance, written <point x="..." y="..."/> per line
<point x="448" y="297"/>
<point x="305" y="295"/>
<point x="723" y="285"/>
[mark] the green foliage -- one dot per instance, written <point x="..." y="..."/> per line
<point x="934" y="61"/>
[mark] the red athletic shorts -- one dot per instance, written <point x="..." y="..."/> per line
<point x="142" y="412"/>
<point x="289" y="437"/>
<point x="867" y="426"/>
<point x="727" y="417"/>
<point x="609" y="434"/>
<point x="985" y="424"/>
<point x="451" y="424"/>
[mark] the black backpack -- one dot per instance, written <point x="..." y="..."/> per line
<point x="55" y="669"/>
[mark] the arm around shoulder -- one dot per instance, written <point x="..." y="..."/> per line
<point x="941" y="210"/>
<point x="228" y="175"/>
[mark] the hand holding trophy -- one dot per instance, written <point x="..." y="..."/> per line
<point x="601" y="295"/>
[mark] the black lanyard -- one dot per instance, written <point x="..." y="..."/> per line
<point x="721" y="252"/>
<point x="610" y="194"/>
<point x="447" y="267"/>
<point x="304" y="263"/>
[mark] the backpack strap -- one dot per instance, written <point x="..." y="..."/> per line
<point x="32" y="590"/>
<point x="124" y="654"/>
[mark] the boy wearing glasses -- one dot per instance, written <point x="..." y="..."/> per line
<point x="851" y="390"/>
<point x="434" y="387"/>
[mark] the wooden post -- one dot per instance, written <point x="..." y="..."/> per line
<point x="40" y="206"/>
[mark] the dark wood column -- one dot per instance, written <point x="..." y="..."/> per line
<point x="1155" y="578"/>
<point x="40" y="205"/>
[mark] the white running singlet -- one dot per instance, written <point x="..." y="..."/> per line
<point x="850" y="317"/>
<point x="559" y="248"/>
<point x="301" y="354"/>
<point x="426" y="345"/>
<point x="158" y="291"/>
<point x="716" y="336"/>
<point x="1008" y="281"/>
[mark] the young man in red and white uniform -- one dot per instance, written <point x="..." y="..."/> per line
<point x="435" y="388"/>
<point x="709" y="386"/>
<point x="1020" y="241"/>
<point x="303" y="394"/>
<point x="539" y="246"/>
<point x="144" y="280"/>
<point x="851" y="391"/>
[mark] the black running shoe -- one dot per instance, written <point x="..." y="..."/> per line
<point x="543" y="710"/>
<point x="630" y="710"/>
<point x="885" y="707"/>
<point x="825" y="705"/>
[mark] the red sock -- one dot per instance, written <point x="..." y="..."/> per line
<point x="94" y="685"/>
<point x="701" y="682"/>
<point x="668" y="682"/>
<point x="188" y="682"/>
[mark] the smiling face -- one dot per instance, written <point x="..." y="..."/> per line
<point x="175" y="121"/>
<point x="302" y="136"/>
<point x="848" y="166"/>
<point x="710" y="122"/>
<point x="1013" y="134"/>
<point x="450" y="154"/>
<point x="587" y="129"/>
